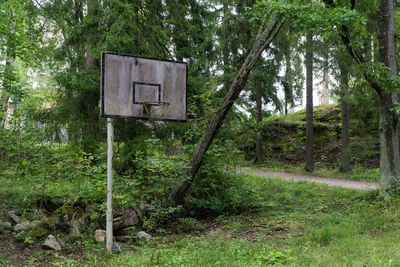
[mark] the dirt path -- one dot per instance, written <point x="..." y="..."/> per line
<point x="360" y="185"/>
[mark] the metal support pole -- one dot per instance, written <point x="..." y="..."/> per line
<point x="109" y="214"/>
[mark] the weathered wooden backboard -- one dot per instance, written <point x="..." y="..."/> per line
<point x="129" y="83"/>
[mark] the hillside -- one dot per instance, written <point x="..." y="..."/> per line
<point x="284" y="139"/>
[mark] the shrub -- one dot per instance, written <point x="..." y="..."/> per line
<point x="218" y="190"/>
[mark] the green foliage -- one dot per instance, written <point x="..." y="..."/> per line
<point x="33" y="234"/>
<point x="380" y="73"/>
<point x="315" y="17"/>
<point x="322" y="235"/>
<point x="274" y="257"/>
<point x="161" y="216"/>
<point x="299" y="224"/>
<point x="4" y="261"/>
<point x="217" y="190"/>
<point x="146" y="172"/>
<point x="187" y="224"/>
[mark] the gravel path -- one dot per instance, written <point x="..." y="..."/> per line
<point x="360" y="185"/>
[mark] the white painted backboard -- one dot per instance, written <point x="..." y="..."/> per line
<point x="128" y="81"/>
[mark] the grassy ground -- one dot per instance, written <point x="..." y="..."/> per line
<point x="297" y="224"/>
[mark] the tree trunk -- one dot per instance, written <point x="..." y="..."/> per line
<point x="264" y="38"/>
<point x="89" y="98"/>
<point x="259" y="148"/>
<point x="388" y="120"/>
<point x="324" y="97"/>
<point x="7" y="84"/>
<point x="309" y="103"/>
<point x="345" y="165"/>
<point x="9" y="75"/>
<point x="287" y="83"/>
<point x="389" y="149"/>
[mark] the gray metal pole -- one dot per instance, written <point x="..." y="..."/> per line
<point x="109" y="214"/>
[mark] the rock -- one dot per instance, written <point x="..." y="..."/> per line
<point x="126" y="217"/>
<point x="142" y="235"/>
<point x="20" y="227"/>
<point x="14" y="217"/>
<point x="100" y="236"/>
<point x="51" y="243"/>
<point x="116" y="248"/>
<point x="7" y="226"/>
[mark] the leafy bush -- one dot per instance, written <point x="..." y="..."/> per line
<point x="161" y="215"/>
<point x="218" y="190"/>
<point x="187" y="224"/>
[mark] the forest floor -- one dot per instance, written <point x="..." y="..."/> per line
<point x="295" y="224"/>
<point x="344" y="183"/>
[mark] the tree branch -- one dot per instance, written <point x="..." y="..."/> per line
<point x="356" y="55"/>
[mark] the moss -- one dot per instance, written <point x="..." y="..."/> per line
<point x="284" y="138"/>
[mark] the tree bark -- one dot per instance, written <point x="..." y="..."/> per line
<point x="309" y="166"/>
<point x="324" y="97"/>
<point x="89" y="98"/>
<point x="388" y="120"/>
<point x="259" y="148"/>
<point x="264" y="38"/>
<point x="287" y="83"/>
<point x="345" y="165"/>
<point x="9" y="75"/>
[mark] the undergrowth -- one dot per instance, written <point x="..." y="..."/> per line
<point x="297" y="224"/>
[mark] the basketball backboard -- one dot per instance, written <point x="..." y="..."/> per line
<point x="143" y="88"/>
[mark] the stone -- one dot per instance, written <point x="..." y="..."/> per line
<point x="116" y="248"/>
<point x="14" y="217"/>
<point x="20" y="227"/>
<point x="100" y="236"/>
<point x="142" y="235"/>
<point x="51" y="243"/>
<point x="7" y="226"/>
<point x="126" y="217"/>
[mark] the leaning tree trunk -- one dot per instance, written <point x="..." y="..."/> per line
<point x="345" y="165"/>
<point x="263" y="39"/>
<point x="309" y="104"/>
<point x="388" y="120"/>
